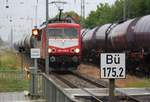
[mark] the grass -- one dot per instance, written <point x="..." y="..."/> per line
<point x="133" y="81"/>
<point x="9" y="60"/>
<point x="10" y="81"/>
<point x="9" y="73"/>
<point x="13" y="85"/>
<point x="140" y="84"/>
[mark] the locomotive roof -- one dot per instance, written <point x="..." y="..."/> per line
<point x="61" y="25"/>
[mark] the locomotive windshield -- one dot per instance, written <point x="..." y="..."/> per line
<point x="62" y="33"/>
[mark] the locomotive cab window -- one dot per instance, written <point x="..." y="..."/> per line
<point x="62" y="33"/>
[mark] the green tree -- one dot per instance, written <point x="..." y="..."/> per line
<point x="117" y="11"/>
<point x="138" y="8"/>
<point x="101" y="16"/>
<point x="107" y="14"/>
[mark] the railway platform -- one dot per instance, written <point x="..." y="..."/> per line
<point x="16" y="97"/>
<point x="61" y="93"/>
<point x="104" y="91"/>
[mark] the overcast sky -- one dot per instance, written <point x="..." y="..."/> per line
<point x="22" y="13"/>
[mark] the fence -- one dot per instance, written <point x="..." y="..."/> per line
<point x="36" y="90"/>
<point x="10" y="75"/>
<point x="52" y="92"/>
<point x="47" y="88"/>
<point x="12" y="80"/>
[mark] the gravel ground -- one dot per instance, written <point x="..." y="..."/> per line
<point x="78" y="82"/>
<point x="94" y="72"/>
<point x="90" y="70"/>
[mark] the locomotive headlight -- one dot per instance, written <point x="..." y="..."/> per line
<point x="49" y="50"/>
<point x="77" y="50"/>
<point x="53" y="50"/>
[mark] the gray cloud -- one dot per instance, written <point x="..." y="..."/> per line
<point x="22" y="13"/>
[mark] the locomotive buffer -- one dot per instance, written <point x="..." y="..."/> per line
<point x="112" y="67"/>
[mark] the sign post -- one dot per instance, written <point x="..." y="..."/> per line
<point x="112" y="67"/>
<point x="21" y="70"/>
<point x="35" y="53"/>
<point x="47" y="55"/>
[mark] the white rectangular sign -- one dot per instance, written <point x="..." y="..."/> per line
<point x="113" y="65"/>
<point x="35" y="53"/>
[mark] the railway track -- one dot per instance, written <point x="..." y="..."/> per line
<point x="74" y="79"/>
<point x="135" y="99"/>
<point x="72" y="85"/>
<point x="97" y="83"/>
<point x="77" y="80"/>
<point x="128" y="98"/>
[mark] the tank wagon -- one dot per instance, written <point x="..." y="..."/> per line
<point x="24" y="44"/>
<point x="131" y="37"/>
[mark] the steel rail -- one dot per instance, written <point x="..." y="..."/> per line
<point x="97" y="85"/>
<point x="97" y="99"/>
<point x="134" y="99"/>
<point x="64" y="80"/>
<point x="130" y="97"/>
<point x="74" y="86"/>
<point x="88" y="80"/>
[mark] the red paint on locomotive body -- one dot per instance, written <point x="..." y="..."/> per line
<point x="64" y="46"/>
<point x="63" y="40"/>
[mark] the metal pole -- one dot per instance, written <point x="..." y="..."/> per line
<point x="33" y="88"/>
<point x="111" y="81"/>
<point x="21" y="70"/>
<point x="124" y="10"/>
<point x="83" y="9"/>
<point x="0" y="61"/>
<point x="47" y="56"/>
<point x="35" y="70"/>
<point x="47" y="11"/>
<point x="36" y="9"/>
<point x="35" y="76"/>
<point x="11" y="38"/>
<point x="11" y="34"/>
<point x="128" y="9"/>
<point x="111" y="90"/>
<point x="33" y="73"/>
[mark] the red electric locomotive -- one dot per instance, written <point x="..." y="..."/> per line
<point x="64" y="45"/>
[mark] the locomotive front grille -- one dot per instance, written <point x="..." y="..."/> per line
<point x="63" y="58"/>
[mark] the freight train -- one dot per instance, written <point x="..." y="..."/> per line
<point x="131" y="36"/>
<point x="64" y="44"/>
